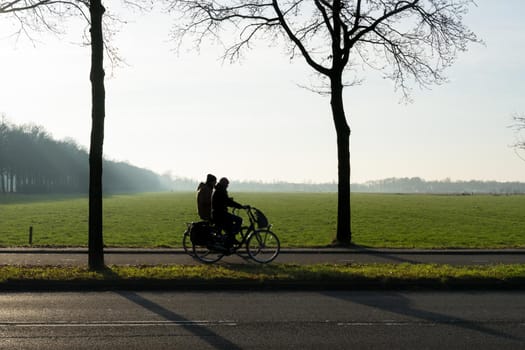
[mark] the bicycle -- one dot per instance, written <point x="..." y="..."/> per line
<point x="206" y="243"/>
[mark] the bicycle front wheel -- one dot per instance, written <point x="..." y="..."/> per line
<point x="263" y="246"/>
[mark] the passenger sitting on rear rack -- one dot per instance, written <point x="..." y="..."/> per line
<point x="231" y="224"/>
<point x="204" y="193"/>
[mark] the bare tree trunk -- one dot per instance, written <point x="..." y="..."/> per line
<point x="344" y="230"/>
<point x="12" y="183"/>
<point x="96" y="243"/>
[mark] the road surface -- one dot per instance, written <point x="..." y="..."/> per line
<point x="263" y="320"/>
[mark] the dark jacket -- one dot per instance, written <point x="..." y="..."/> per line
<point x="204" y="193"/>
<point x="220" y="202"/>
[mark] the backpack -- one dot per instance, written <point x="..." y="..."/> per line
<point x="260" y="219"/>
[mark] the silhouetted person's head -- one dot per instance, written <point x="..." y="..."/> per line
<point x="211" y="180"/>
<point x="223" y="183"/>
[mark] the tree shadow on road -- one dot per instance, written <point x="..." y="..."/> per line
<point x="400" y="304"/>
<point x="201" y="331"/>
<point x="359" y="249"/>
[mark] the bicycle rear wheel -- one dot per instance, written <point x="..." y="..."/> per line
<point x="186" y="243"/>
<point x="206" y="255"/>
<point x="263" y="246"/>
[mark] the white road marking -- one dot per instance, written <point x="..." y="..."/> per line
<point x="384" y="323"/>
<point x="198" y="323"/>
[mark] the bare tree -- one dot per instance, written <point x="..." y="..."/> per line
<point x="406" y="40"/>
<point x="98" y="114"/>
<point x="35" y="15"/>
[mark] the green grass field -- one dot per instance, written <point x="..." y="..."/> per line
<point x="299" y="219"/>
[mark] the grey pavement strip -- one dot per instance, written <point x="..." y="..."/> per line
<point x="356" y="250"/>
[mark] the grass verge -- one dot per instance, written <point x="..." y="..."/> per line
<point x="319" y="276"/>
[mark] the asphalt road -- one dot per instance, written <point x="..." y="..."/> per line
<point x="78" y="257"/>
<point x="263" y="320"/>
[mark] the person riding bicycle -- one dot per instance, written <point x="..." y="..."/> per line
<point x="204" y="193"/>
<point x="231" y="224"/>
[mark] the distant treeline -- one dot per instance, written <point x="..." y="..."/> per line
<point x="418" y="185"/>
<point x="390" y="185"/>
<point x="187" y="184"/>
<point x="32" y="162"/>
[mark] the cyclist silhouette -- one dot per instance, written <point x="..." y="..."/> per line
<point x="231" y="224"/>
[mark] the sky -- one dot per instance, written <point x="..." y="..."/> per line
<point x="188" y="113"/>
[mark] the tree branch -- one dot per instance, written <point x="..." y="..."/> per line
<point x="387" y="14"/>
<point x="416" y="38"/>
<point x="318" y="67"/>
<point x="320" y="5"/>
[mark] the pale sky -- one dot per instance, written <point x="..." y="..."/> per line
<point x="191" y="114"/>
